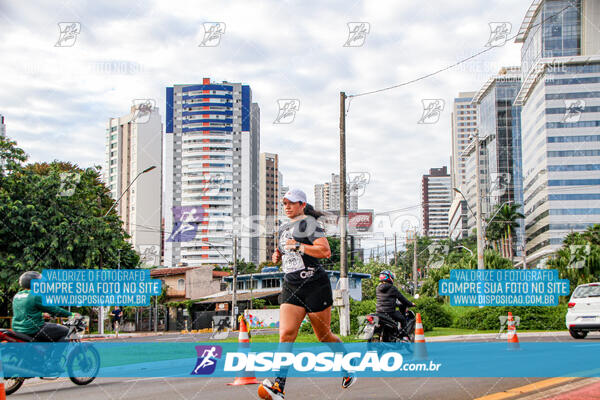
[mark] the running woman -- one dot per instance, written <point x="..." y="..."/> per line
<point x="306" y="288"/>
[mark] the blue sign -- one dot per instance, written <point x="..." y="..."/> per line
<point x="503" y="287"/>
<point x="96" y="287"/>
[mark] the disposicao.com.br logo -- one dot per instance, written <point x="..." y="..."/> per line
<point x="207" y="359"/>
<point x="371" y="361"/>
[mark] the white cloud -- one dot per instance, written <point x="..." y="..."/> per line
<point x="57" y="100"/>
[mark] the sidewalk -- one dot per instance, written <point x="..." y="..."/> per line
<point x="579" y="389"/>
<point x="478" y="336"/>
<point x="126" y="335"/>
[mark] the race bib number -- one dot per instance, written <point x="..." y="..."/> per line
<point x="291" y="261"/>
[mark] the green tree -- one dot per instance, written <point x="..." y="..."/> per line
<point x="579" y="258"/>
<point x="507" y="218"/>
<point x="244" y="267"/>
<point x="52" y="217"/>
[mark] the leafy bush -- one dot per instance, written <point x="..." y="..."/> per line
<point x="259" y="303"/>
<point x="432" y="313"/>
<point x="487" y="318"/>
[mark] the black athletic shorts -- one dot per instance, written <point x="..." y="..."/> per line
<point x="314" y="296"/>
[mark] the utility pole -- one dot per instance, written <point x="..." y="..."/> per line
<point x="480" y="264"/>
<point x="395" y="252"/>
<point x="345" y="302"/>
<point x="385" y="250"/>
<point x="233" y="297"/>
<point x="415" y="279"/>
<point x="351" y="251"/>
<point x="155" y="313"/>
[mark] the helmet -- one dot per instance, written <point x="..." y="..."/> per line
<point x="26" y="277"/>
<point x="387" y="276"/>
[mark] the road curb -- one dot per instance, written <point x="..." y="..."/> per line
<point x="466" y="338"/>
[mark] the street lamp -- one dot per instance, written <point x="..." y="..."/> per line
<point x="234" y="281"/>
<point x="101" y="313"/>
<point x="466" y="248"/>
<point x="127" y="188"/>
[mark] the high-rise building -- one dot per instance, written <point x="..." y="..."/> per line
<point x="436" y="188"/>
<point x="469" y="188"/>
<point x="327" y="195"/>
<point x="2" y="126"/>
<point x="499" y="126"/>
<point x="133" y="144"/>
<point x="282" y="218"/>
<point x="321" y="192"/>
<point x="458" y="218"/>
<point x="211" y="173"/>
<point x="464" y="126"/>
<point x="560" y="116"/>
<point x="269" y="204"/>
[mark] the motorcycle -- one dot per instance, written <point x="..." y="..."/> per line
<point x="76" y="359"/>
<point x="380" y="327"/>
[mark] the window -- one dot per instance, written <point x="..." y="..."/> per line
<point x="271" y="283"/>
<point x="181" y="284"/>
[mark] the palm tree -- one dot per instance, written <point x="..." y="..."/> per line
<point x="493" y="233"/>
<point x="508" y="216"/>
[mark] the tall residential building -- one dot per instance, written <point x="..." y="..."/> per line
<point x="464" y="125"/>
<point x="560" y="100"/>
<point x="320" y="196"/>
<point x="269" y="204"/>
<point x="327" y="195"/>
<point x="436" y="188"/>
<point x="499" y="125"/>
<point x="469" y="188"/>
<point x="2" y="126"/>
<point x="211" y="173"/>
<point x="458" y="218"/>
<point x="133" y="144"/>
<point x="282" y="218"/>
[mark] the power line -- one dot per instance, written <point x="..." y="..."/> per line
<point x="452" y="65"/>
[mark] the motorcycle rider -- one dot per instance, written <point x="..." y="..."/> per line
<point x="388" y="296"/>
<point x="28" y="313"/>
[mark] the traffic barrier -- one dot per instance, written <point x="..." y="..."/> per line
<point x="244" y="346"/>
<point x="420" y="346"/>
<point x="513" y="339"/>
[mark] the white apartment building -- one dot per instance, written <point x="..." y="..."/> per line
<point x="133" y="144"/>
<point x="211" y="173"/>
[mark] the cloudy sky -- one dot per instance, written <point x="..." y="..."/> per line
<point x="57" y="100"/>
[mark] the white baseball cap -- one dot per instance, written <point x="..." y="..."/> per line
<point x="295" y="195"/>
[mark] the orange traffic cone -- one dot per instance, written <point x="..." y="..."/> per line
<point x="513" y="339"/>
<point x="2" y="389"/>
<point x="244" y="345"/>
<point x="420" y="347"/>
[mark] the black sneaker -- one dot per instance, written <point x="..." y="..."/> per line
<point x="270" y="391"/>
<point x="348" y="381"/>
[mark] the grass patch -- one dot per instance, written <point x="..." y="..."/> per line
<point x="302" y="337"/>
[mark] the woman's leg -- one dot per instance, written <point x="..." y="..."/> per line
<point x="321" y="323"/>
<point x="290" y="319"/>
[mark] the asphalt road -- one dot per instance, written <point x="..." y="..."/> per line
<point x="296" y="388"/>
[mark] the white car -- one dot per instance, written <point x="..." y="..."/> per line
<point x="583" y="315"/>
